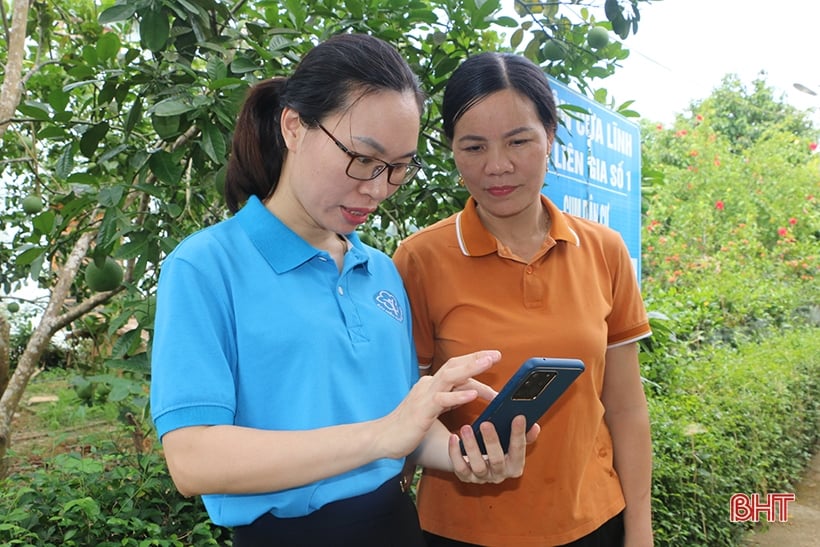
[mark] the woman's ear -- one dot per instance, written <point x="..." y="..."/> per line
<point x="292" y="128"/>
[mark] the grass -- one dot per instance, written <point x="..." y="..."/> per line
<point x="52" y="419"/>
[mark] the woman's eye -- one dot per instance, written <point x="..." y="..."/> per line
<point x="364" y="160"/>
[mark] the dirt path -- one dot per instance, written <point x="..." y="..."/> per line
<point x="803" y="526"/>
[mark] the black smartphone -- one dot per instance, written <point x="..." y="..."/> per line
<point x="531" y="391"/>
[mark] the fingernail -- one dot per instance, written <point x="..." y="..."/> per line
<point x="489" y="358"/>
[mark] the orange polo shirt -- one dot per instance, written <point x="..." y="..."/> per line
<point x="577" y="297"/>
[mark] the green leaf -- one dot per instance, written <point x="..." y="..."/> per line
<point x="108" y="46"/>
<point x="107" y="92"/>
<point x="224" y="83"/>
<point x="52" y="132"/>
<point x="216" y="68"/>
<point x="89" y="54"/>
<point x="44" y="222"/>
<point x="126" y="343"/>
<point x="134" y="116"/>
<point x="166" y="169"/>
<point x="154" y="29"/>
<point x="110" y="196"/>
<point x="516" y="38"/>
<point x="166" y="126"/>
<point x="120" y="12"/>
<point x="74" y="85"/>
<point x="58" y="99"/>
<point x="29" y="255"/>
<point x="37" y="266"/>
<point x="137" y="364"/>
<point x="65" y="163"/>
<point x="506" y="21"/>
<point x="573" y="108"/>
<point x="108" y="234"/>
<point x="171" y="107"/>
<point x="34" y="109"/>
<point x="112" y="152"/>
<point x="242" y="65"/>
<point x="100" y="253"/>
<point x="62" y="117"/>
<point x="92" y="137"/>
<point x="137" y="245"/>
<point x="213" y="143"/>
<point x="87" y="505"/>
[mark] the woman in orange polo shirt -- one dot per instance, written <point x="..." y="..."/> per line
<point x="513" y="271"/>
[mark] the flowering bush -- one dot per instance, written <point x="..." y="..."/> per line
<point x="730" y="275"/>
<point x="731" y="236"/>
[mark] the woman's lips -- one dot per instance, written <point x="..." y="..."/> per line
<point x="500" y="191"/>
<point x="355" y="215"/>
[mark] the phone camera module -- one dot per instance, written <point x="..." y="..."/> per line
<point x="532" y="386"/>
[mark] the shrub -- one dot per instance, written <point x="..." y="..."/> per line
<point x="735" y="420"/>
<point x="102" y="500"/>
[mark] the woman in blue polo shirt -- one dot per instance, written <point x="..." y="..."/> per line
<point x="283" y="372"/>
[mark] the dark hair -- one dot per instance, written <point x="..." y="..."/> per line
<point x="329" y="78"/>
<point x="486" y="73"/>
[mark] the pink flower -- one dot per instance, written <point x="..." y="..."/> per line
<point x="783" y="232"/>
<point x="812" y="146"/>
<point x="719" y="205"/>
<point x="792" y="221"/>
<point x="659" y="127"/>
<point x="699" y="118"/>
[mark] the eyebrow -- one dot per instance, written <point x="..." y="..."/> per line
<point x="378" y="147"/>
<point x="511" y="133"/>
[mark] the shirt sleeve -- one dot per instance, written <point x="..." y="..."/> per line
<point x="192" y="380"/>
<point x="628" y="321"/>
<point x="412" y="274"/>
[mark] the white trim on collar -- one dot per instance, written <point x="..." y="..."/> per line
<point x="460" y="236"/>
<point x="577" y="239"/>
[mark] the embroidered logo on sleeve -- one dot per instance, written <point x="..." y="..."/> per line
<point x="390" y="304"/>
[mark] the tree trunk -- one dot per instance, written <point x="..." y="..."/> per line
<point x="12" y="89"/>
<point x="49" y="324"/>
<point x="5" y="353"/>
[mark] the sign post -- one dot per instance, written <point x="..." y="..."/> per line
<point x="595" y="168"/>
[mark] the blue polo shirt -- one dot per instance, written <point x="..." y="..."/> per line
<point x="257" y="328"/>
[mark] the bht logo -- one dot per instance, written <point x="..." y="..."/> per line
<point x="748" y="507"/>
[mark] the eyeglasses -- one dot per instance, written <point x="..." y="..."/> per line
<point x="368" y="168"/>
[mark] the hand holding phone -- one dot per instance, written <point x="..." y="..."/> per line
<point x="531" y="391"/>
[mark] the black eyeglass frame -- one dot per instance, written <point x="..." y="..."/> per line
<point x="414" y="163"/>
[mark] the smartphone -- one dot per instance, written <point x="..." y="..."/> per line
<point x="531" y="391"/>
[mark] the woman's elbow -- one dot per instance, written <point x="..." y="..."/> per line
<point x="180" y="457"/>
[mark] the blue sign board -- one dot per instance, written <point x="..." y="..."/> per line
<point x="595" y="168"/>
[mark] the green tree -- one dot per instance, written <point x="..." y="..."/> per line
<point x="732" y="231"/>
<point x="119" y="117"/>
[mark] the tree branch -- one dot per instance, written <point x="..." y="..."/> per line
<point x="12" y="90"/>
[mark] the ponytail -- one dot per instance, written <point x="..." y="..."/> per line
<point x="258" y="148"/>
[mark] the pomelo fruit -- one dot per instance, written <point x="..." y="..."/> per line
<point x="105" y="278"/>
<point x="32" y="204"/>
<point x="598" y="37"/>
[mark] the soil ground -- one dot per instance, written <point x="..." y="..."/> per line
<point x="802" y="529"/>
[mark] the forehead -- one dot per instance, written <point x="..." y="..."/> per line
<point x="497" y="112"/>
<point x="382" y="104"/>
<point x="382" y="119"/>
